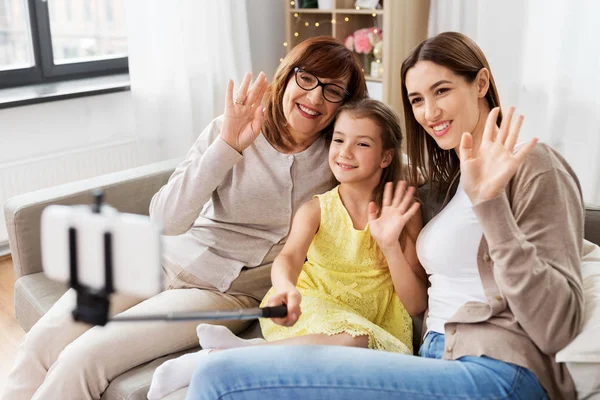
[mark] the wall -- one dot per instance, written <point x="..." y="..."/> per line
<point x="57" y="142"/>
<point x="266" y="22"/>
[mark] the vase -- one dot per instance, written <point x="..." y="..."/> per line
<point x="366" y="60"/>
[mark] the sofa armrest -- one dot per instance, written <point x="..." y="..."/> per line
<point x="128" y="191"/>
<point x="592" y="223"/>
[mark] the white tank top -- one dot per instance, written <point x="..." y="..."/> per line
<point x="447" y="248"/>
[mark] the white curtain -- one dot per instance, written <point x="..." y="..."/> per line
<point x="181" y="53"/>
<point x="545" y="57"/>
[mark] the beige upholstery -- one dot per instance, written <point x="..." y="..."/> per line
<point x="592" y="223"/>
<point x="34" y="295"/>
<point x="128" y="191"/>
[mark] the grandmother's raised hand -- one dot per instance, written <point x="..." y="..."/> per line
<point x="486" y="175"/>
<point x="243" y="116"/>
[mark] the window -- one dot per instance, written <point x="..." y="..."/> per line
<point x="53" y="40"/>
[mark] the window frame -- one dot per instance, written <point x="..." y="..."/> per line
<point x="44" y="70"/>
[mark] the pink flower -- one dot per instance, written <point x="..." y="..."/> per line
<point x="349" y="43"/>
<point x="365" y="39"/>
<point x="361" y="42"/>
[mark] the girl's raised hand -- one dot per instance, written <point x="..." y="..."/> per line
<point x="486" y="175"/>
<point x="243" y="116"/>
<point x="291" y="298"/>
<point x="395" y="212"/>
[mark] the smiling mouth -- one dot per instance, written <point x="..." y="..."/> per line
<point x="441" y="129"/>
<point x="310" y="112"/>
<point x="345" y="166"/>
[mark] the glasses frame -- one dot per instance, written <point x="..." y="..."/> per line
<point x="319" y="83"/>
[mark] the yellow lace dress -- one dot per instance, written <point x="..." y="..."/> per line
<point x="346" y="286"/>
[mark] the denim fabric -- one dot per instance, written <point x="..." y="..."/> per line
<point x="342" y="373"/>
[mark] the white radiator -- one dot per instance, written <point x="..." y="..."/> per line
<point x="54" y="169"/>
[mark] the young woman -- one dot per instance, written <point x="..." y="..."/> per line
<point x="227" y="210"/>
<point x="505" y="243"/>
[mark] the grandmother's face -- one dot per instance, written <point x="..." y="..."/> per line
<point x="307" y="112"/>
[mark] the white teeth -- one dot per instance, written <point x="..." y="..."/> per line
<point x="345" y="166"/>
<point x="308" y="111"/>
<point x="441" y="127"/>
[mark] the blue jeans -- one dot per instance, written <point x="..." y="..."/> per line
<point x="343" y="373"/>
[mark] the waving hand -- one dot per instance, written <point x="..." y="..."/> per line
<point x="486" y="175"/>
<point x="243" y="116"/>
<point x="395" y="213"/>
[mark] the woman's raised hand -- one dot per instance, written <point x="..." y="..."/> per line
<point x="396" y="210"/>
<point x="486" y="175"/>
<point x="244" y="115"/>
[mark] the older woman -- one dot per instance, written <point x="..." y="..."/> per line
<point x="227" y="210"/>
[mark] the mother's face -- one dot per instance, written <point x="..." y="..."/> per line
<point x="443" y="103"/>
<point x="307" y="112"/>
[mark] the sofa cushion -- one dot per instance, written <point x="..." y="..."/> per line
<point x="582" y="355"/>
<point x="34" y="295"/>
<point x="135" y="383"/>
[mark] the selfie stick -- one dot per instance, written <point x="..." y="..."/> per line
<point x="93" y="305"/>
<point x="242" y="314"/>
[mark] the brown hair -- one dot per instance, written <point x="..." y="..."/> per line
<point x="326" y="58"/>
<point x="462" y="56"/>
<point x="391" y="138"/>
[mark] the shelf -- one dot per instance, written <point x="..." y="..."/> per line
<point x="372" y="79"/>
<point x="378" y="11"/>
<point x="310" y="11"/>
<point x="336" y="11"/>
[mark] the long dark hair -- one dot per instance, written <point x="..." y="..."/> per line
<point x="462" y="56"/>
<point x="391" y="137"/>
<point x="323" y="56"/>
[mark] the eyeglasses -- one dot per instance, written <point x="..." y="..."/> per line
<point x="333" y="93"/>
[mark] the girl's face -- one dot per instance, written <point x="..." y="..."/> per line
<point x="307" y="112"/>
<point x="356" y="152"/>
<point x="445" y="104"/>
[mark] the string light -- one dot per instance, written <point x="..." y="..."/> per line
<point x="357" y="8"/>
<point x="307" y="24"/>
<point x="292" y="3"/>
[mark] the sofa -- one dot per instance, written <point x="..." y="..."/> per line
<point x="128" y="191"/>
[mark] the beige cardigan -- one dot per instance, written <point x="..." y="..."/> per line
<point x="529" y="261"/>
<point x="229" y="210"/>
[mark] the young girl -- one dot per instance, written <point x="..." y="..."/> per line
<point x="362" y="280"/>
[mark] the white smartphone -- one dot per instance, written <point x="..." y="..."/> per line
<point x="136" y="250"/>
